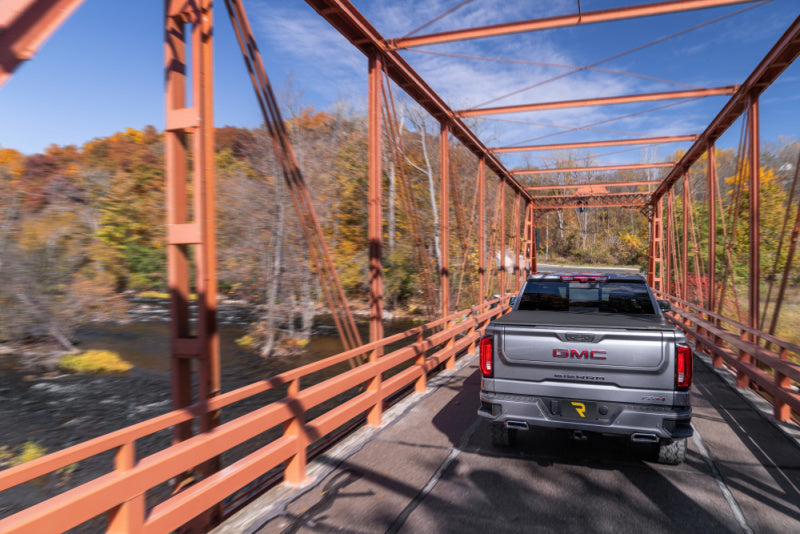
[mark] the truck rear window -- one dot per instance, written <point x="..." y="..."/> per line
<point x="612" y="296"/>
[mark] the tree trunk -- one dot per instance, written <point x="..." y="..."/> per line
<point x="272" y="288"/>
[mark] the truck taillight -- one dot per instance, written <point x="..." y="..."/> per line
<point x="486" y="357"/>
<point x="683" y="367"/>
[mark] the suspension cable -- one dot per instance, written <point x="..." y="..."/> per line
<point x="437" y="18"/>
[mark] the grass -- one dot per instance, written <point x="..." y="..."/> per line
<point x="95" y="361"/>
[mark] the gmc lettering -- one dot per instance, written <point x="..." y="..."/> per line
<point x="584" y="354"/>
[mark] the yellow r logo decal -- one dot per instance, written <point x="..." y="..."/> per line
<point x="580" y="408"/>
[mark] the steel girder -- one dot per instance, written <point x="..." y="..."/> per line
<point x="599" y="200"/>
<point x="590" y="17"/>
<point x="25" y="25"/>
<point x="594" y="144"/>
<point x="603" y="101"/>
<point x="631" y="166"/>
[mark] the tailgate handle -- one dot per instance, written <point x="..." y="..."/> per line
<point x="584" y="338"/>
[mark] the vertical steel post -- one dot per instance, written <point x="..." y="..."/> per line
<point x="502" y="193"/>
<point x="176" y="138"/>
<point x="711" y="298"/>
<point x="668" y="282"/>
<point x="444" y="198"/>
<point x="517" y="240"/>
<point x="755" y="235"/>
<point x="655" y="264"/>
<point x="685" y="241"/>
<point x="375" y="230"/>
<point x="482" y="230"/>
<point x="195" y="233"/>
<point x="195" y="123"/>
<point x="444" y="210"/>
<point x="533" y="258"/>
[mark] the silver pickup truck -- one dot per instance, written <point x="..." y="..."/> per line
<point x="588" y="353"/>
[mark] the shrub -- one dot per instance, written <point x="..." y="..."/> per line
<point x="95" y="361"/>
<point x="30" y="451"/>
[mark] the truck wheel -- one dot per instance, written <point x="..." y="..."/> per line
<point x="502" y="436"/>
<point x="672" y="453"/>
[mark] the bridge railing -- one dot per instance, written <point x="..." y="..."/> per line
<point x="767" y="364"/>
<point x="121" y="492"/>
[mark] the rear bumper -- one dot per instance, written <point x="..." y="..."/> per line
<point x="664" y="422"/>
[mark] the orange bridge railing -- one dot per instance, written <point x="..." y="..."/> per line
<point x="121" y="492"/>
<point x="768" y="365"/>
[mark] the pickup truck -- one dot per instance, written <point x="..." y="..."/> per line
<point x="592" y="354"/>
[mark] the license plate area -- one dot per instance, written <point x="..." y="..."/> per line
<point x="581" y="410"/>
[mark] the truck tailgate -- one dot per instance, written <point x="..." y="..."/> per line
<point x="637" y="358"/>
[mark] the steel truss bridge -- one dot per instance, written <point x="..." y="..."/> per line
<point x="293" y="429"/>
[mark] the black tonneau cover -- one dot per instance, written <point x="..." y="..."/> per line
<point x="584" y="320"/>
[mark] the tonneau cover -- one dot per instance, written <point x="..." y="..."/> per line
<point x="584" y="320"/>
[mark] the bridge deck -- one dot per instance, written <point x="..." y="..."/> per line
<point x="435" y="470"/>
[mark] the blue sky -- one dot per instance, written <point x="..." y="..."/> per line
<point x="102" y="70"/>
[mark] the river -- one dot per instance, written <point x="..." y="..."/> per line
<point x="56" y="410"/>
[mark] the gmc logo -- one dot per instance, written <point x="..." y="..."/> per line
<point x="585" y="354"/>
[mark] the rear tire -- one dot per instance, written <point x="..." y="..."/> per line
<point x="672" y="453"/>
<point x="502" y="436"/>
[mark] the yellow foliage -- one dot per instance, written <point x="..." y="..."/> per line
<point x="95" y="361"/>
<point x="154" y="295"/>
<point x="294" y="343"/>
<point x="30" y="451"/>
<point x="246" y="342"/>
<point x="12" y="162"/>
<point x="630" y="240"/>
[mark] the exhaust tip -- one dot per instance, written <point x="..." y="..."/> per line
<point x="578" y="435"/>
<point x="517" y="425"/>
<point x="644" y="438"/>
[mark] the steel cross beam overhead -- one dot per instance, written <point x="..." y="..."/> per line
<point x="591" y="17"/>
<point x="602" y="200"/>
<point x="345" y="18"/>
<point x="631" y="166"/>
<point x="625" y="99"/>
<point x="592" y="144"/>
<point x="591" y="186"/>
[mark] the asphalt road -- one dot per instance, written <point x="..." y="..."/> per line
<point x="434" y="470"/>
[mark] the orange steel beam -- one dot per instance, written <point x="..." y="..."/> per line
<point x="375" y="218"/>
<point x="591" y="17"/>
<point x="774" y="63"/>
<point x="604" y="101"/>
<point x="605" y="200"/>
<point x="345" y="18"/>
<point x="592" y="144"/>
<point x="191" y="233"/>
<point x="630" y="166"/>
<point x="25" y="25"/>
<point x="594" y="184"/>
